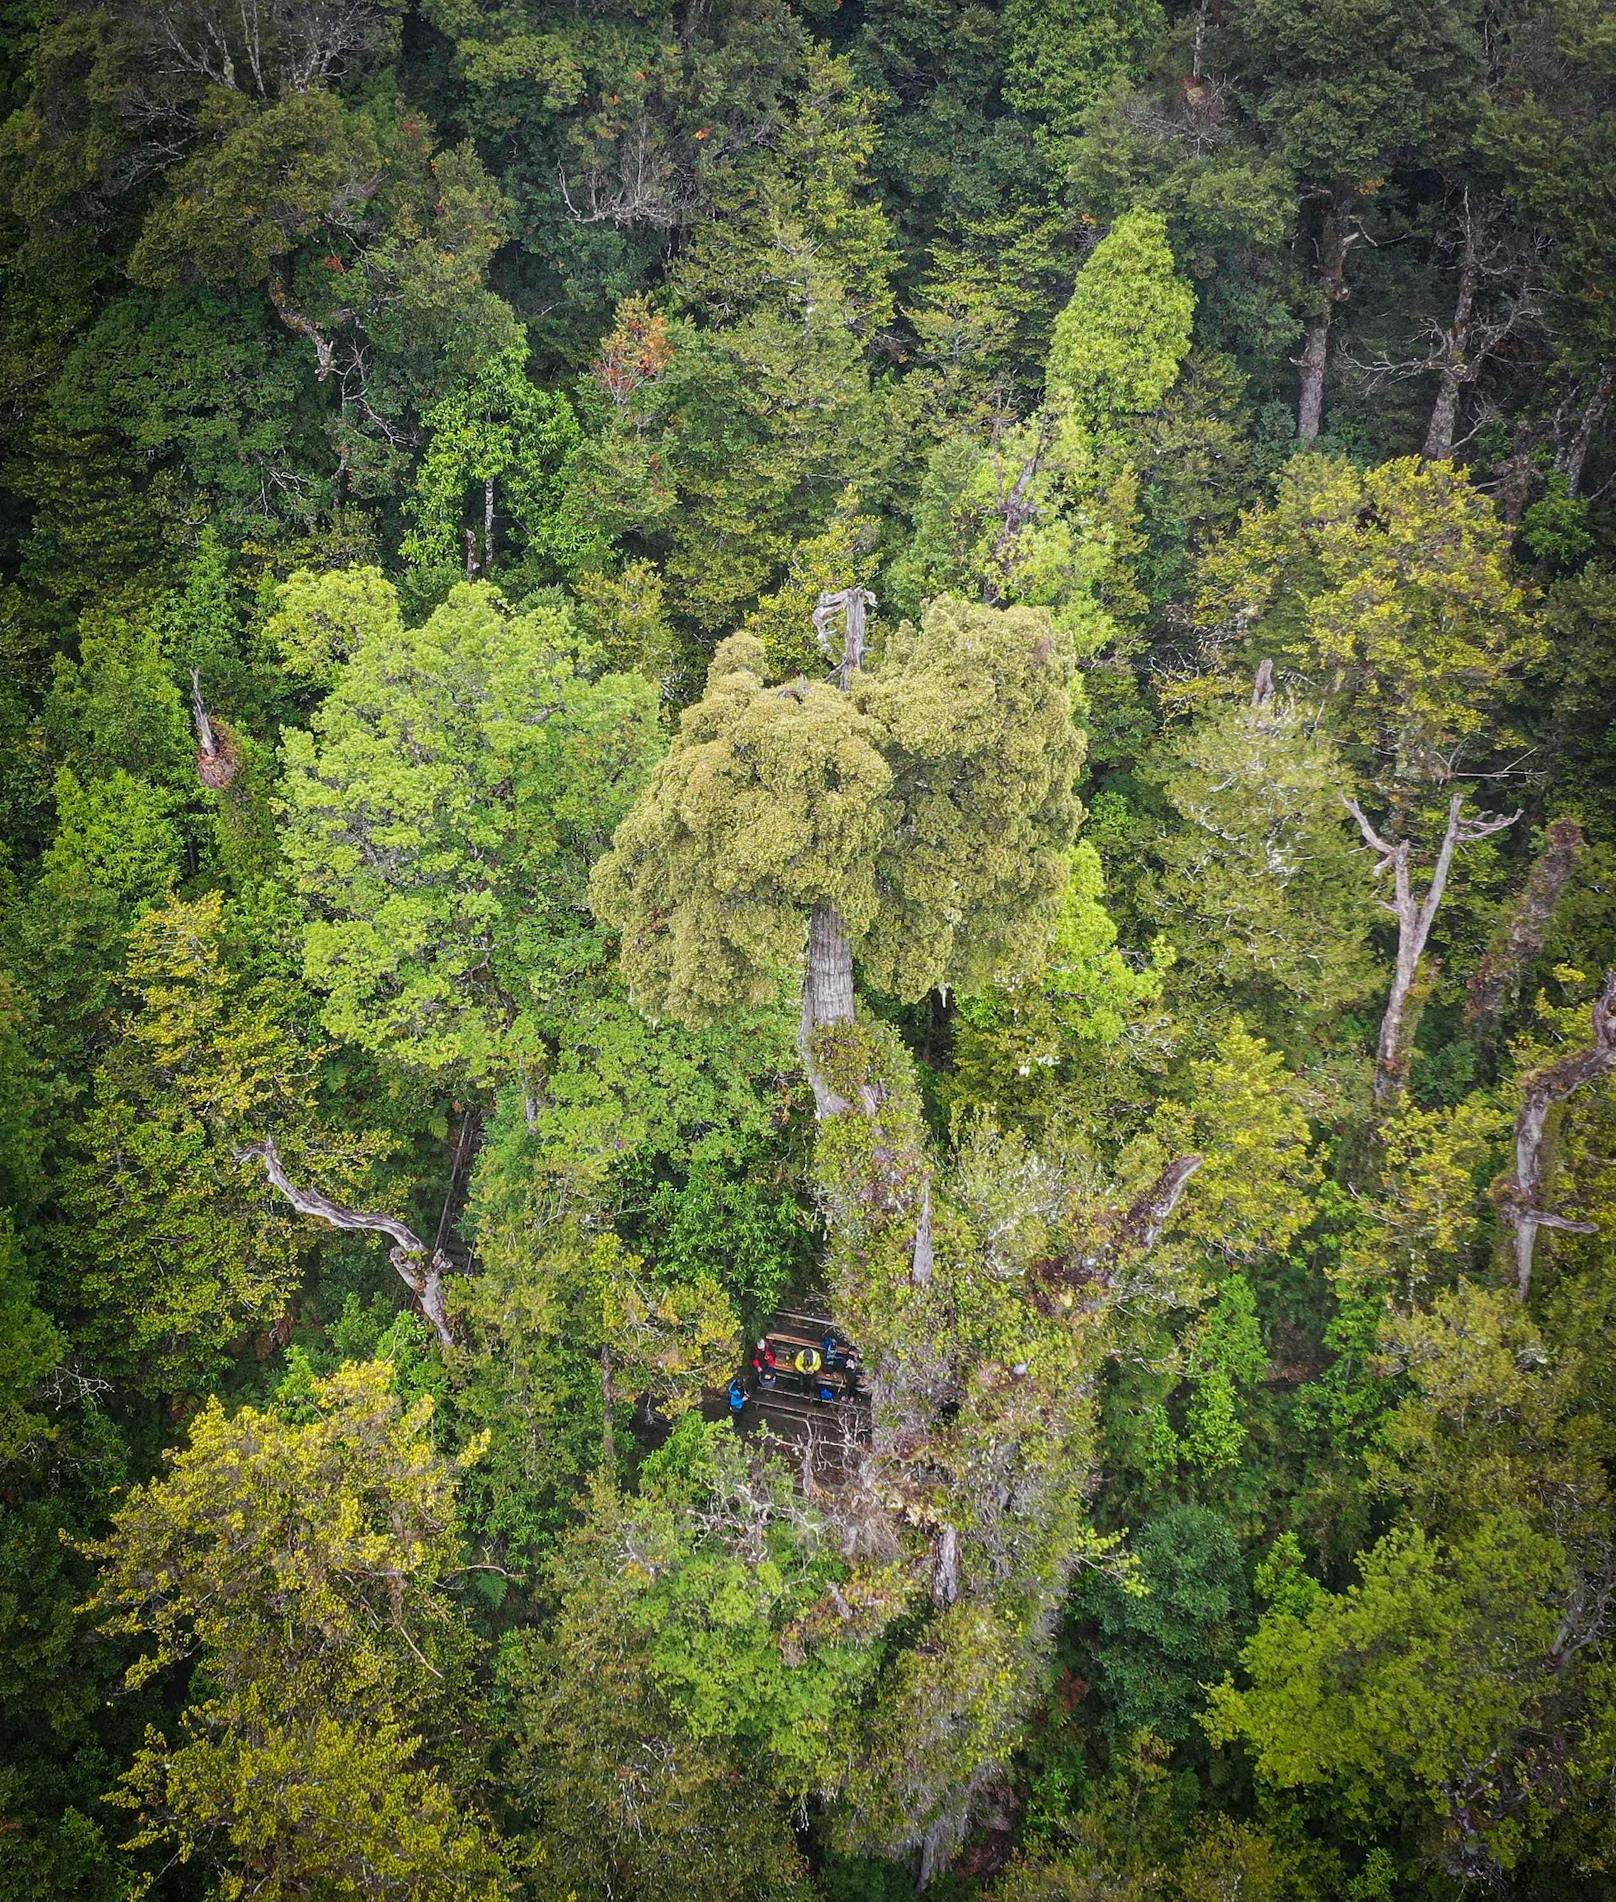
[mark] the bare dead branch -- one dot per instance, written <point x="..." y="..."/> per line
<point x="1415" y="914"/>
<point x="1142" y="1225"/>
<point x="1520" y="1197"/>
<point x="421" y="1269"/>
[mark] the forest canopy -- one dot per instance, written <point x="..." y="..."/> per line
<point x="807" y="950"/>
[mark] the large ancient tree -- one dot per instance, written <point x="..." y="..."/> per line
<point x="915" y="815"/>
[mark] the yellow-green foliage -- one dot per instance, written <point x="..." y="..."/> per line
<point x="770" y="800"/>
<point x="301" y="1554"/>
<point x="440" y="816"/>
<point x="1391" y="588"/>
<point x="1120" y="340"/>
<point x="1420" y="1680"/>
<point x="976" y="714"/>
<point x="932" y="806"/>
<point x="1422" y="1227"/>
<point x="175" y="1247"/>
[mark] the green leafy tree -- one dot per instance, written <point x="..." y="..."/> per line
<point x="1259" y="893"/>
<point x="703" y="1616"/>
<point x="1030" y="1048"/>
<point x="1342" y="94"/>
<point x="320" y="621"/>
<point x="918" y="819"/>
<point x="1045" y="513"/>
<point x="303" y="1554"/>
<point x="1393" y="591"/>
<point x="1227" y="1359"/>
<point x="442" y="815"/>
<point x="739" y="428"/>
<point x="1063" y="55"/>
<point x="510" y="442"/>
<point x="1417" y="1689"/>
<point x="1161" y="1639"/>
<point x="173" y="1250"/>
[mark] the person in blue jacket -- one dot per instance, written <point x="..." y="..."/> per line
<point x="737" y="1396"/>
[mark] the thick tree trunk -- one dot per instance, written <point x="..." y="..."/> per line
<point x="1443" y="426"/>
<point x="1332" y="245"/>
<point x="945" y="1582"/>
<point x="827" y="983"/>
<point x="1453" y="373"/>
<point x="1571" y="458"/>
<point x="1515" y="472"/>
<point x="420" y="1268"/>
<point x="1143" y="1224"/>
<point x="827" y="996"/>
<point x="1314" y="360"/>
<point x="1520" y="1197"/>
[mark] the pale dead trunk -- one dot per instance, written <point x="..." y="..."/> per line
<point x="1314" y="363"/>
<point x="420" y="1268"/>
<point x="1521" y="1196"/>
<point x="1415" y="915"/>
<point x="1574" y="455"/>
<point x="488" y="524"/>
<point x="1444" y="422"/>
<point x="1454" y="372"/>
<point x="206" y="742"/>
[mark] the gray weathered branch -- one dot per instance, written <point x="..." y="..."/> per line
<point x="1520" y="1197"/>
<point x="420" y="1268"/>
<point x="1142" y="1225"/>
<point x="1415" y="915"/>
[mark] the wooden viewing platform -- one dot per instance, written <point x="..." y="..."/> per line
<point x="826" y="1432"/>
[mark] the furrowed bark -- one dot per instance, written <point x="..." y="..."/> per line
<point x="827" y="984"/>
<point x="1520" y="1197"/>
<point x="827" y="996"/>
<point x="421" y="1269"/>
